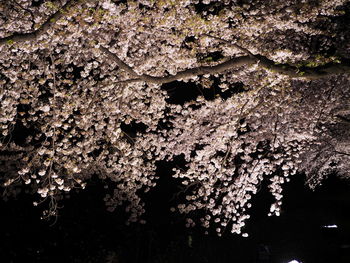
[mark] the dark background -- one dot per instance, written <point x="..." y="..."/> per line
<point x="86" y="232"/>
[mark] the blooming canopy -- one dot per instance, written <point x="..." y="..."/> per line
<point x="75" y="73"/>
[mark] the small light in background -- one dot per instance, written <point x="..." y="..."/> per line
<point x="294" y="261"/>
<point x="330" y="226"/>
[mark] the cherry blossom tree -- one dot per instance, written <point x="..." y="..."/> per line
<point x="73" y="73"/>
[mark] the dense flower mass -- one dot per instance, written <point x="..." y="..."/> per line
<point x="74" y="74"/>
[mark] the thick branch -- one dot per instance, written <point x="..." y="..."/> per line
<point x="291" y="71"/>
<point x="232" y="63"/>
<point x="284" y="69"/>
<point x="22" y="37"/>
<point x="307" y="73"/>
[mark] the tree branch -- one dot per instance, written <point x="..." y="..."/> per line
<point x="308" y="73"/>
<point x="286" y="69"/>
<point x="283" y="69"/>
<point x="22" y="37"/>
<point x="229" y="64"/>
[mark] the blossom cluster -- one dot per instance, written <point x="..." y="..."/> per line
<point x="64" y="104"/>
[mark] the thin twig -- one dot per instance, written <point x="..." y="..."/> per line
<point x="232" y="44"/>
<point x="28" y="11"/>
